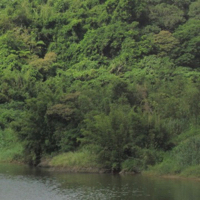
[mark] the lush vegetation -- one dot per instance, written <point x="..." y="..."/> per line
<point x="120" y="78"/>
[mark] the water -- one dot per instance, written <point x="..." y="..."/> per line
<point x="24" y="183"/>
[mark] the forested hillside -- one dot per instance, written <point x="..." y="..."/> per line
<point x="120" y="78"/>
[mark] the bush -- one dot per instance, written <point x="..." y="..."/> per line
<point x="187" y="152"/>
<point x="193" y="171"/>
<point x="77" y="159"/>
<point x="13" y="153"/>
<point x="183" y="159"/>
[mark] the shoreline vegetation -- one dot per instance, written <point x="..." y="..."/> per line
<point x="84" y="162"/>
<point x="46" y="164"/>
<point x="101" y="85"/>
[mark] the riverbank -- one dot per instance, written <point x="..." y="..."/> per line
<point x="77" y="162"/>
<point x="171" y="176"/>
<point x="47" y="164"/>
<point x="85" y="161"/>
<point x="50" y="165"/>
<point x="190" y="172"/>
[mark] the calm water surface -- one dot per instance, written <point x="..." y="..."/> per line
<point x="24" y="183"/>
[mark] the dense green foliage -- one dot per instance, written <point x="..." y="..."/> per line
<point x="120" y="78"/>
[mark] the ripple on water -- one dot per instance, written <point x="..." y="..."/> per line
<point x="19" y="183"/>
<point x="31" y="188"/>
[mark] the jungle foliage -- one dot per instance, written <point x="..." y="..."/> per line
<point x="120" y="78"/>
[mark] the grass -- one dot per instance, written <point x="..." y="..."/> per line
<point x="165" y="168"/>
<point x="75" y="161"/>
<point x="191" y="172"/>
<point x="11" y="154"/>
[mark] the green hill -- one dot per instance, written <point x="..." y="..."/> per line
<point x="119" y="78"/>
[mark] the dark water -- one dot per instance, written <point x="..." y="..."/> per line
<point x="24" y="183"/>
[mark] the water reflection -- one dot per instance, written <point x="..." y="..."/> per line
<point x="24" y="183"/>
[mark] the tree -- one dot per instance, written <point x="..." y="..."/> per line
<point x="187" y="53"/>
<point x="165" y="42"/>
<point x="166" y="16"/>
<point x="194" y="10"/>
<point x="111" y="134"/>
